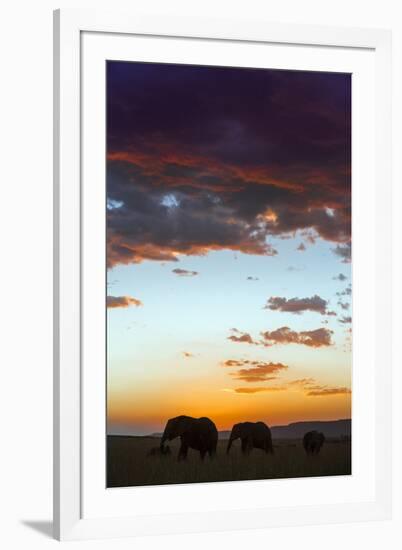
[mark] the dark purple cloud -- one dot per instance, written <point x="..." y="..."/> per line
<point x="209" y="158"/>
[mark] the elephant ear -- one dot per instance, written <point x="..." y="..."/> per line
<point x="183" y="424"/>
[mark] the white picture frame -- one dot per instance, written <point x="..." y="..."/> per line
<point x="80" y="509"/>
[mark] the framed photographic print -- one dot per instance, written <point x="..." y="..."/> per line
<point x="222" y="221"/>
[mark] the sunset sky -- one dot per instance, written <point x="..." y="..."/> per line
<point x="228" y="245"/>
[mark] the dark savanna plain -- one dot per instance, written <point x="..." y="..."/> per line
<point x="229" y="284"/>
<point x="130" y="464"/>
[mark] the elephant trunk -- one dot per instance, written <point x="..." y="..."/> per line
<point x="164" y="438"/>
<point x="229" y="444"/>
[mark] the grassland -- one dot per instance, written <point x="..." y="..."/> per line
<point x="129" y="465"/>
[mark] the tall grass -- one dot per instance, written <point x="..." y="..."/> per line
<point x="129" y="465"/>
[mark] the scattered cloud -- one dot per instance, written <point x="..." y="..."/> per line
<point x="233" y="363"/>
<point x="239" y="362"/>
<point x="346" y="292"/>
<point x="341" y="277"/>
<point x="298" y="305"/>
<point x="317" y="338"/>
<point x="301" y="382"/>
<point x="320" y="337"/>
<point x="347" y="346"/>
<point x="252" y="278"/>
<point x="122" y="301"/>
<point x="270" y="372"/>
<point x="309" y="236"/>
<point x="239" y="336"/>
<point x="344" y="251"/>
<point x="344" y="305"/>
<point x="187" y="354"/>
<point x="184" y="272"/>
<point x="345" y="320"/>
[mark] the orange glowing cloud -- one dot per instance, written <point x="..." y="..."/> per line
<point x="122" y="301"/>
<point x="261" y="372"/>
<point x="259" y="389"/>
<point x="121" y="251"/>
<point x="307" y="388"/>
<point x="325" y="391"/>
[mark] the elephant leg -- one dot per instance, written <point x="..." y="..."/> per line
<point x="246" y="446"/>
<point x="183" y="451"/>
<point x="202" y="454"/>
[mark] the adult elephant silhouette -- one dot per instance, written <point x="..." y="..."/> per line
<point x="253" y="435"/>
<point x="312" y="442"/>
<point x="195" y="433"/>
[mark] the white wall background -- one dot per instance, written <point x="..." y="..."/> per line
<point x="26" y="271"/>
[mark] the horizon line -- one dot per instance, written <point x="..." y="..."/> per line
<point x="228" y="430"/>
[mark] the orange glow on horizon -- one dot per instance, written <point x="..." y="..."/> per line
<point x="227" y="408"/>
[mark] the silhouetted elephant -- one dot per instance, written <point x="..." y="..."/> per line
<point x="255" y="435"/>
<point x="313" y="441"/>
<point x="160" y="451"/>
<point x="195" y="433"/>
